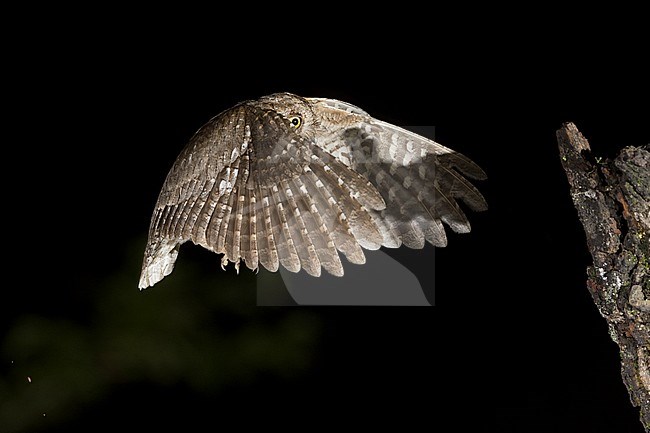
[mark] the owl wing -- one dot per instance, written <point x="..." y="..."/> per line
<point x="248" y="186"/>
<point x="198" y="184"/>
<point x="420" y="180"/>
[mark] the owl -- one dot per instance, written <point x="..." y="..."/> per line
<point x="293" y="181"/>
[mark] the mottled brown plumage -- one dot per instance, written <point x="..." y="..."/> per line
<point x="292" y="181"/>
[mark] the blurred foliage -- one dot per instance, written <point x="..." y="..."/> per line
<point x="199" y="328"/>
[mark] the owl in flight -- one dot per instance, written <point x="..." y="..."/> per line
<point x="293" y="181"/>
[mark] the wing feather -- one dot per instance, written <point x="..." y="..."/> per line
<point x="268" y="253"/>
<point x="246" y="248"/>
<point x="215" y="222"/>
<point x="199" y="230"/>
<point x="197" y="208"/>
<point x="317" y="229"/>
<point x="233" y="251"/>
<point x="419" y="179"/>
<point x="304" y="246"/>
<point x="335" y="219"/>
<point x="364" y="229"/>
<point x="224" y="236"/>
<point x="286" y="250"/>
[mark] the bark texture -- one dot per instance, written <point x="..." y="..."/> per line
<point x="613" y="202"/>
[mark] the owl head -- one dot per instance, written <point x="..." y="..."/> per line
<point x="296" y="110"/>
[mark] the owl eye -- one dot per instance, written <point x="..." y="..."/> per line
<point x="295" y="121"/>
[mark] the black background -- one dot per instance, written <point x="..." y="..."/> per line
<point x="514" y="342"/>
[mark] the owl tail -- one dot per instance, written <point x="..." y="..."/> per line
<point x="158" y="262"/>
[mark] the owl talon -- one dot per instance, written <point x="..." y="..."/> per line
<point x="224" y="263"/>
<point x="237" y="266"/>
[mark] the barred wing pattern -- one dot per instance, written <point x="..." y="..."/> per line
<point x="292" y="181"/>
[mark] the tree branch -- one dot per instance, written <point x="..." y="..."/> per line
<point x="613" y="203"/>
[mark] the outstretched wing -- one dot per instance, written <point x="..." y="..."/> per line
<point x="198" y="186"/>
<point x="420" y="180"/>
<point x="251" y="187"/>
<point x="248" y="186"/>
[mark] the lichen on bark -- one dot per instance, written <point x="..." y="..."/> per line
<point x="612" y="198"/>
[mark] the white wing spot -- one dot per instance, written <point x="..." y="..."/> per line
<point x="247" y="138"/>
<point x="392" y="151"/>
<point x="392" y="194"/>
<point x="409" y="146"/>
<point x="222" y="187"/>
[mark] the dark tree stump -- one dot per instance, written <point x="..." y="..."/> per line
<point x="613" y="202"/>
